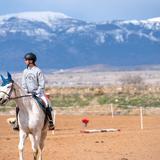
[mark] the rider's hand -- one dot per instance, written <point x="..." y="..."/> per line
<point x="33" y="94"/>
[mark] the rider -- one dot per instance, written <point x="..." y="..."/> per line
<point x="33" y="82"/>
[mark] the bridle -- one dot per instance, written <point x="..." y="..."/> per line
<point x="10" y="93"/>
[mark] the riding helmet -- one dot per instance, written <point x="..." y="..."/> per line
<point x="30" y="56"/>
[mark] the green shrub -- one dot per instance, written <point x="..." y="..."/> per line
<point x="70" y="100"/>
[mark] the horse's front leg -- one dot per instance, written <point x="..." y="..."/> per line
<point x="41" y="143"/>
<point x="22" y="137"/>
<point x="35" y="139"/>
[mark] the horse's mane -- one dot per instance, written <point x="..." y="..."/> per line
<point x="20" y="90"/>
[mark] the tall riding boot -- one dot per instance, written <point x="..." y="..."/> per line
<point x="50" y="119"/>
<point x="16" y="126"/>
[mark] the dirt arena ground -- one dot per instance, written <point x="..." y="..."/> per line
<point x="68" y="143"/>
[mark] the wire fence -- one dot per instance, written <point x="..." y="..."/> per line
<point x="110" y="110"/>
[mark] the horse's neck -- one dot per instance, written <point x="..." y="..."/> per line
<point x="21" y="102"/>
<point x="26" y="104"/>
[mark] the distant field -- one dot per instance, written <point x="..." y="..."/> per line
<point x="72" y="79"/>
<point x="96" y="91"/>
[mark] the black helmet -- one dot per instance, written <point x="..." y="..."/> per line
<point x="30" y="56"/>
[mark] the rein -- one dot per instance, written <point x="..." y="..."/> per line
<point x="21" y="96"/>
<point x="5" y="93"/>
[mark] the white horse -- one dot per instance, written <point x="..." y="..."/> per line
<point x="31" y="118"/>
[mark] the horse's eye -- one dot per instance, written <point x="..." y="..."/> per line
<point x="8" y="86"/>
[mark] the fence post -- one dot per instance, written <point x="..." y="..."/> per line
<point x="141" y="117"/>
<point x="112" y="112"/>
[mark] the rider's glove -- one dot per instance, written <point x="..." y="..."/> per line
<point x="33" y="94"/>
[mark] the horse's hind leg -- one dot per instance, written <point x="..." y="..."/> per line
<point x="22" y="137"/>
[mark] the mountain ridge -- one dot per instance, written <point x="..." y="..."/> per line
<point x="64" y="42"/>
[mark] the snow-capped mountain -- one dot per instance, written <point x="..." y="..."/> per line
<point x="61" y="41"/>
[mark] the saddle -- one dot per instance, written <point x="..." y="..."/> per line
<point x="41" y="103"/>
<point x="42" y="106"/>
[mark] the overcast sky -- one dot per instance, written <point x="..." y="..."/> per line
<point x="90" y="10"/>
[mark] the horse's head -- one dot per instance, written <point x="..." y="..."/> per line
<point x="6" y="89"/>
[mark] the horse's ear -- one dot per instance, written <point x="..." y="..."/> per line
<point x="9" y="76"/>
<point x="3" y="79"/>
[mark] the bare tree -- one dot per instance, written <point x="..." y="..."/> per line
<point x="135" y="82"/>
<point x="131" y="80"/>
